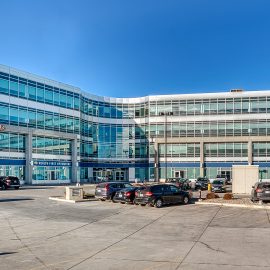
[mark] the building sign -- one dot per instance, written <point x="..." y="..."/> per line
<point x="2" y="127"/>
<point x="52" y="163"/>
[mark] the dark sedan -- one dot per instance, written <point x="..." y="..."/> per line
<point x="126" y="195"/>
<point x="107" y="190"/>
<point x="161" y="194"/>
<point x="201" y="183"/>
<point x="9" y="182"/>
<point x="218" y="186"/>
<point x="260" y="191"/>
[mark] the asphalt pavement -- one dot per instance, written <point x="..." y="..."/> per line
<point x="37" y="233"/>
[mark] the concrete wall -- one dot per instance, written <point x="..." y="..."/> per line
<point x="244" y="177"/>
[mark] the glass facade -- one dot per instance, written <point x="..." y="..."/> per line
<point x="125" y="138"/>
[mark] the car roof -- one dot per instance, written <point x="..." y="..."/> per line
<point x="262" y="183"/>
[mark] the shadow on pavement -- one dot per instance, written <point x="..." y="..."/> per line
<point x="15" y="200"/>
<point x="7" y="253"/>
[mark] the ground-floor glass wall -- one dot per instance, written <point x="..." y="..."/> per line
<point x="180" y="172"/>
<point x="224" y="172"/>
<point x="9" y="170"/>
<point x="110" y="174"/>
<point x="51" y="173"/>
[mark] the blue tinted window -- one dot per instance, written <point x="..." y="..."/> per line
<point x="63" y="100"/>
<point x="69" y="102"/>
<point x="4" y="113"/>
<point x="14" y="115"/>
<point x="32" y="118"/>
<point x="22" y="90"/>
<point x="76" y="103"/>
<point x="49" y="96"/>
<point x="40" y="94"/>
<point x="40" y="119"/>
<point x="23" y="116"/>
<point x="13" y="88"/>
<point x="32" y="92"/>
<point x="56" y="98"/>
<point x="4" y="85"/>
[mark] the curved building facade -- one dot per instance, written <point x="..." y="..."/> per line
<point x="51" y="132"/>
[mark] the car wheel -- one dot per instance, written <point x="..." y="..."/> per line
<point x="143" y="204"/>
<point x="158" y="203"/>
<point x="185" y="200"/>
<point x="102" y="200"/>
<point x="112" y="199"/>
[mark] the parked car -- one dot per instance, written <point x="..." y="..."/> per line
<point x="161" y="194"/>
<point x="126" y="195"/>
<point x="9" y="182"/>
<point x="201" y="183"/>
<point x="223" y="178"/>
<point x="182" y="183"/>
<point x="260" y="192"/>
<point x="107" y="190"/>
<point x="218" y="186"/>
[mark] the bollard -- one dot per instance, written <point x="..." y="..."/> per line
<point x="209" y="187"/>
<point x="200" y="198"/>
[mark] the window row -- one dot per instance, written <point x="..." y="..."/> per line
<point x="16" y="115"/>
<point x="225" y="150"/>
<point x="211" y="129"/>
<point x="212" y="106"/>
<point x="10" y="142"/>
<point x="53" y="146"/>
<point x="114" y="150"/>
<point x="180" y="150"/>
<point x="110" y="110"/>
<point x="261" y="149"/>
<point x="39" y="92"/>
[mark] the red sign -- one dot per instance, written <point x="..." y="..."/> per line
<point x="2" y="128"/>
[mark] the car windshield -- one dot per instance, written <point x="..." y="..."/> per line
<point x="266" y="185"/>
<point x="217" y="182"/>
<point x="127" y="185"/>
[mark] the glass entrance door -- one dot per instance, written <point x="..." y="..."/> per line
<point x="224" y="173"/>
<point x="119" y="175"/>
<point x="179" y="174"/>
<point x="110" y="174"/>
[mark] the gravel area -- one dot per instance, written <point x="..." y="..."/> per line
<point x="245" y="201"/>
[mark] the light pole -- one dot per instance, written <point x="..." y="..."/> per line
<point x="155" y="159"/>
<point x="166" y="114"/>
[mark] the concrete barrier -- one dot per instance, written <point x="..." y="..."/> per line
<point x="74" y="193"/>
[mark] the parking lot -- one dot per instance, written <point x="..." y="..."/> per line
<point x="37" y="233"/>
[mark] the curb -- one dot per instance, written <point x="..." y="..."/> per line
<point x="61" y="199"/>
<point x="235" y="205"/>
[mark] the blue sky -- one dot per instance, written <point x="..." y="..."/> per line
<point x="125" y="48"/>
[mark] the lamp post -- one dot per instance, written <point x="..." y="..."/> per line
<point x="166" y="115"/>
<point x="155" y="159"/>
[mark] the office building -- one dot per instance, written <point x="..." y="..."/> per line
<point x="51" y="132"/>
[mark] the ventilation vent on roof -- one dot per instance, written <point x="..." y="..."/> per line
<point x="236" y="90"/>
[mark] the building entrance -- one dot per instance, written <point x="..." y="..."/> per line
<point x="179" y="174"/>
<point x="225" y="174"/>
<point x="117" y="174"/>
